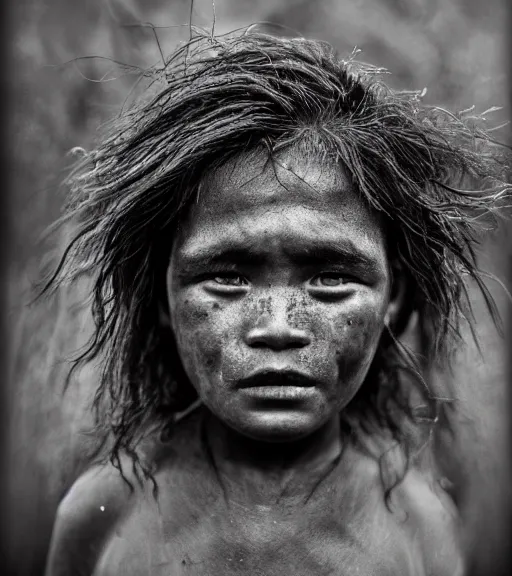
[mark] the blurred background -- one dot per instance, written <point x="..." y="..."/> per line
<point x="457" y="49"/>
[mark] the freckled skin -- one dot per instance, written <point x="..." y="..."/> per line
<point x="248" y="485"/>
<point x="273" y="216"/>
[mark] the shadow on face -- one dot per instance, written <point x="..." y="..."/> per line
<point x="279" y="287"/>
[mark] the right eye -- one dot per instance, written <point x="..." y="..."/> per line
<point x="230" y="279"/>
<point x="226" y="282"/>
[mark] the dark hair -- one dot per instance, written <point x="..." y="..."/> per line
<point x="435" y="177"/>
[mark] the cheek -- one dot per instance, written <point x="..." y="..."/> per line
<point x="199" y="330"/>
<point x="356" y="335"/>
<point x="299" y="312"/>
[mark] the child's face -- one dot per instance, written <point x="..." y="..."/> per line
<point x="279" y="289"/>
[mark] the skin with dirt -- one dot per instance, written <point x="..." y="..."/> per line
<point x="279" y="289"/>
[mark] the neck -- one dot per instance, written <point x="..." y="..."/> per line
<point x="257" y="472"/>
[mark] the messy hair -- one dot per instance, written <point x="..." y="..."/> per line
<point x="435" y="178"/>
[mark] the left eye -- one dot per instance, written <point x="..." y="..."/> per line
<point x="329" y="280"/>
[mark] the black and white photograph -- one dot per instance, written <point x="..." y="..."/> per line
<point x="257" y="287"/>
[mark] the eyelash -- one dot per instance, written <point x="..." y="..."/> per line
<point x="344" y="279"/>
<point x="219" y="277"/>
<point x="228" y="275"/>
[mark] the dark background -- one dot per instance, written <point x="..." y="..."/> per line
<point x="456" y="48"/>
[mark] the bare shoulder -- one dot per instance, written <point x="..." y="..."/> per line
<point x="101" y="500"/>
<point x="91" y="509"/>
<point x="433" y="521"/>
<point x="425" y="513"/>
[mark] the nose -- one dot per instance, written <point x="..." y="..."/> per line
<point x="276" y="328"/>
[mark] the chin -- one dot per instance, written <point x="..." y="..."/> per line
<point x="279" y="426"/>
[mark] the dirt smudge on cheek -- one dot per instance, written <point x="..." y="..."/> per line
<point x="298" y="312"/>
<point x="356" y="341"/>
<point x="199" y="315"/>
<point x="197" y="340"/>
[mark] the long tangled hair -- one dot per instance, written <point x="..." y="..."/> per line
<point x="435" y="178"/>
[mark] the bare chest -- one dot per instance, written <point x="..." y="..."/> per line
<point x="260" y="544"/>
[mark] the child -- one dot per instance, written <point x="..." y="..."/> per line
<point x="260" y="233"/>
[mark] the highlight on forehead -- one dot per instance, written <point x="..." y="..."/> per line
<point x="298" y="166"/>
<point x="265" y="197"/>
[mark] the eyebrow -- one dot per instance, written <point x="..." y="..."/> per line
<point x="207" y="257"/>
<point x="316" y="252"/>
<point x="345" y="251"/>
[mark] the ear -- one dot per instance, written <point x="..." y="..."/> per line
<point x="400" y="305"/>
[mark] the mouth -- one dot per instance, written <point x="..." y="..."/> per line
<point x="278" y="379"/>
<point x="278" y="385"/>
<point x="280" y="393"/>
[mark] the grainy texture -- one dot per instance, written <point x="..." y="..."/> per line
<point x="455" y="48"/>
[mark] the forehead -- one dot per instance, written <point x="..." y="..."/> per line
<point x="256" y="179"/>
<point x="292" y="194"/>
